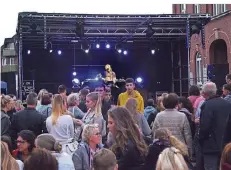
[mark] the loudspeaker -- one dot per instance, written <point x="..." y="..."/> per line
<point x="217" y="72"/>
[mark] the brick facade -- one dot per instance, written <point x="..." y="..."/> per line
<point x="217" y="29"/>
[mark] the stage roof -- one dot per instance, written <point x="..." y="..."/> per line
<point x="59" y="29"/>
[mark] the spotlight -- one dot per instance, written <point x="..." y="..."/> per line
<point x="119" y="51"/>
<point x="28" y="52"/>
<point x="139" y="80"/>
<point x="59" y="52"/>
<point x="97" y="46"/>
<point x="87" y="51"/>
<point x="153" y="51"/>
<point x="74" y="73"/>
<point x="76" y="81"/>
<point x="125" y="52"/>
<point x="108" y="46"/>
<point x="51" y="51"/>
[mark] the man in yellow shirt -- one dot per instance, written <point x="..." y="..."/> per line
<point x="131" y="93"/>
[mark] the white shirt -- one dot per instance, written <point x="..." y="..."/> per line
<point x="63" y="129"/>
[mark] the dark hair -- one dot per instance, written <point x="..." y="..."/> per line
<point x="28" y="136"/>
<point x="41" y="159"/>
<point x="194" y="91"/>
<point x="62" y="89"/>
<point x="46" y="99"/>
<point x="8" y="141"/>
<point x="186" y="104"/>
<point x="227" y="87"/>
<point x="84" y="92"/>
<point x="228" y="76"/>
<point x="31" y="99"/>
<point x="129" y="80"/>
<point x="170" y="101"/>
<point x="11" y="95"/>
<point x="150" y="102"/>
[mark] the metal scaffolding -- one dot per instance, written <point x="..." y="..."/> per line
<point x="37" y="30"/>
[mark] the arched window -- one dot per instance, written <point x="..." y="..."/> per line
<point x="199" y="69"/>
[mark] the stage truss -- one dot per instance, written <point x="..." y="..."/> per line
<point x="40" y="30"/>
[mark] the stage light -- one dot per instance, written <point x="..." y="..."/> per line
<point x="139" y="80"/>
<point x="87" y="51"/>
<point x="153" y="51"/>
<point x="28" y="51"/>
<point x="108" y="46"/>
<point x="51" y="51"/>
<point x="119" y="51"/>
<point x="76" y="81"/>
<point x="59" y="52"/>
<point x="125" y="52"/>
<point x="97" y="46"/>
<point x="74" y="73"/>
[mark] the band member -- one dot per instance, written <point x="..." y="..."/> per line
<point x="131" y="93"/>
<point x="109" y="74"/>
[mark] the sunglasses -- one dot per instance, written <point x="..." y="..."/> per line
<point x="19" y="141"/>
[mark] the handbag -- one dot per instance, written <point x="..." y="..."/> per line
<point x="70" y="146"/>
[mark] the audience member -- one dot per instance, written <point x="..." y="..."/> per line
<point x="105" y="159"/>
<point x="7" y="161"/>
<point x="82" y="104"/>
<point x="48" y="142"/>
<point x="45" y="108"/>
<point x="5" y="119"/>
<point x="73" y="102"/>
<point x="225" y="163"/>
<point x="28" y="119"/>
<point x="41" y="159"/>
<point x="138" y="118"/>
<point x="171" y="159"/>
<point x="128" y="144"/>
<point x="83" y="156"/>
<point x="25" y="145"/>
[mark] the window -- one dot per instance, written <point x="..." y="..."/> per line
<point x="3" y="61"/>
<point x="12" y="61"/>
<point x="219" y="8"/>
<point x="197" y="8"/>
<point x="183" y="8"/>
<point x="199" y="69"/>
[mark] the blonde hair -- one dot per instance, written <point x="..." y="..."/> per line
<point x="88" y="131"/>
<point x="94" y="96"/>
<point x="58" y="108"/>
<point x="179" y="145"/>
<point x="159" y="101"/>
<point x="171" y="159"/>
<point x="131" y="105"/>
<point x="162" y="134"/>
<point x="18" y="104"/>
<point x="7" y="161"/>
<point x="5" y="99"/>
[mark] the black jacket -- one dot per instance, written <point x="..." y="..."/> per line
<point x="153" y="153"/>
<point x="28" y="119"/>
<point x="5" y="124"/>
<point x="215" y="123"/>
<point x="130" y="159"/>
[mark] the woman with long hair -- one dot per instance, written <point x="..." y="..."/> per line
<point x="171" y="159"/>
<point x="60" y="124"/>
<point x="139" y="118"/>
<point x="128" y="144"/>
<point x="7" y="161"/>
<point x="226" y="158"/>
<point x="5" y="119"/>
<point x="94" y="114"/>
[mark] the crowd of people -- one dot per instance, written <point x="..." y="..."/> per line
<point x="85" y="130"/>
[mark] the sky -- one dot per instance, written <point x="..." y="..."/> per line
<point x="9" y="9"/>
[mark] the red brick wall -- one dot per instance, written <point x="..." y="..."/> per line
<point x="223" y="25"/>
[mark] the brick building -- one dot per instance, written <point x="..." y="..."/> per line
<point x="217" y="50"/>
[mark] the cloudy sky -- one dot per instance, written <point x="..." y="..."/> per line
<point x="9" y="9"/>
